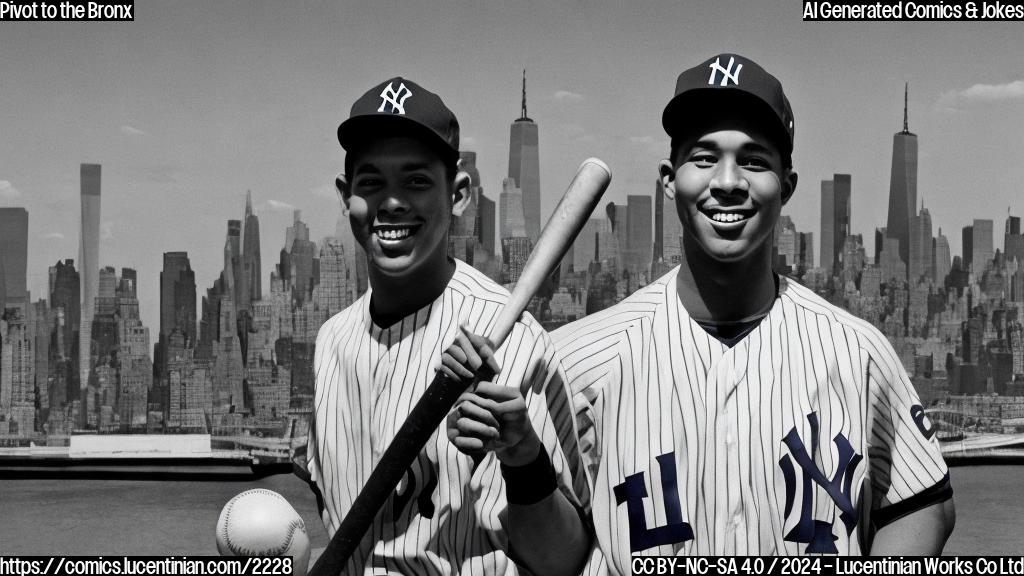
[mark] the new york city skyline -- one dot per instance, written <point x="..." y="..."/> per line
<point x="192" y="105"/>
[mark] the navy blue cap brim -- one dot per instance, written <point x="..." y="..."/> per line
<point x="692" y="109"/>
<point x="359" y="129"/>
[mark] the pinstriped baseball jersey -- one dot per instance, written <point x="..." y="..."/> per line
<point x="448" y="514"/>
<point x="791" y="442"/>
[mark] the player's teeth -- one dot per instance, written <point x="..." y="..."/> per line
<point x="724" y="217"/>
<point x="394" y="234"/>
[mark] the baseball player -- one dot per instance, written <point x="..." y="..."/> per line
<point x="453" y="512"/>
<point x="724" y="410"/>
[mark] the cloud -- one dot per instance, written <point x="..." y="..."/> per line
<point x="54" y="236"/>
<point x="278" y="206"/>
<point x="566" y="96"/>
<point x="981" y="93"/>
<point x="131" y="131"/>
<point x="7" y="191"/>
<point x="106" y="230"/>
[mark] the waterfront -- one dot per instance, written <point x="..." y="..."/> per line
<point x="158" y="517"/>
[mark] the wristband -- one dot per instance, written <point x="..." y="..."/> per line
<point x="530" y="483"/>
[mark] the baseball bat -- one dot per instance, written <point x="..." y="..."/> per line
<point x="575" y="207"/>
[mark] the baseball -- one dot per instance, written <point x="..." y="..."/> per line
<point x="261" y="522"/>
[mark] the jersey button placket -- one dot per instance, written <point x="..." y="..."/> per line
<point x="729" y="427"/>
<point x="382" y="371"/>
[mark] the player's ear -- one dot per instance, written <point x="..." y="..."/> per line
<point x="788" y="185"/>
<point x="667" y="173"/>
<point x="341" y="184"/>
<point x="460" y="192"/>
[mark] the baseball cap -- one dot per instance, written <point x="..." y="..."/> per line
<point x="406" y="107"/>
<point x="722" y="80"/>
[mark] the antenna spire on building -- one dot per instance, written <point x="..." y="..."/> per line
<point x="524" y="93"/>
<point x="906" y="90"/>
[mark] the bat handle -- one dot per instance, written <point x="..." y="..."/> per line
<point x="423" y="420"/>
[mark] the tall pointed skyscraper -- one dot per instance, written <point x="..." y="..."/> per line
<point x="524" y="167"/>
<point x="90" y="260"/>
<point x="251" y="261"/>
<point x="902" y="185"/>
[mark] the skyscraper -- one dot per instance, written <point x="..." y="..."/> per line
<point x="619" y="216"/>
<point x="788" y="244"/>
<point x="513" y="224"/>
<point x="524" y="167"/>
<point x="1013" y="240"/>
<point x="585" y="247"/>
<point x="835" y="221"/>
<point x="828" y="225"/>
<point x="942" y="258"/>
<point x="639" y="235"/>
<point x="1012" y="224"/>
<point x="487" y="218"/>
<point x="967" y="238"/>
<point x="806" y="249"/>
<point x="251" y="261"/>
<point x="135" y="373"/>
<point x="982" y="251"/>
<point x="17" y="369"/>
<point x="178" y="297"/>
<point x="902" y="185"/>
<point x="65" y="302"/>
<point x="515" y="251"/>
<point x="13" y="255"/>
<point x="235" y="260"/>
<point x="880" y="236"/>
<point x="921" y="255"/>
<point x="337" y="288"/>
<point x="177" y="307"/>
<point x="299" y="259"/>
<point x="89" y="258"/>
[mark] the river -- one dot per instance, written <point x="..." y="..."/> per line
<point x="160" y="517"/>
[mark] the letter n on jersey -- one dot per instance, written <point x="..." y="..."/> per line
<point x="817" y="534"/>
<point x="634" y="490"/>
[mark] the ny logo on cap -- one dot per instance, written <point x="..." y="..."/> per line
<point x="728" y="73"/>
<point x="392" y="101"/>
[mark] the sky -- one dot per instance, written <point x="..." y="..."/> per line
<point x="196" y="102"/>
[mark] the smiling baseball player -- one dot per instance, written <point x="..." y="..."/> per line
<point x="454" y="512"/>
<point x="725" y="410"/>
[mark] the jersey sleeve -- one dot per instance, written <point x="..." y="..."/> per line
<point x="591" y="362"/>
<point x="907" y="470"/>
<point x="532" y="363"/>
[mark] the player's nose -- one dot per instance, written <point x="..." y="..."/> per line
<point x="393" y="203"/>
<point x="728" y="178"/>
